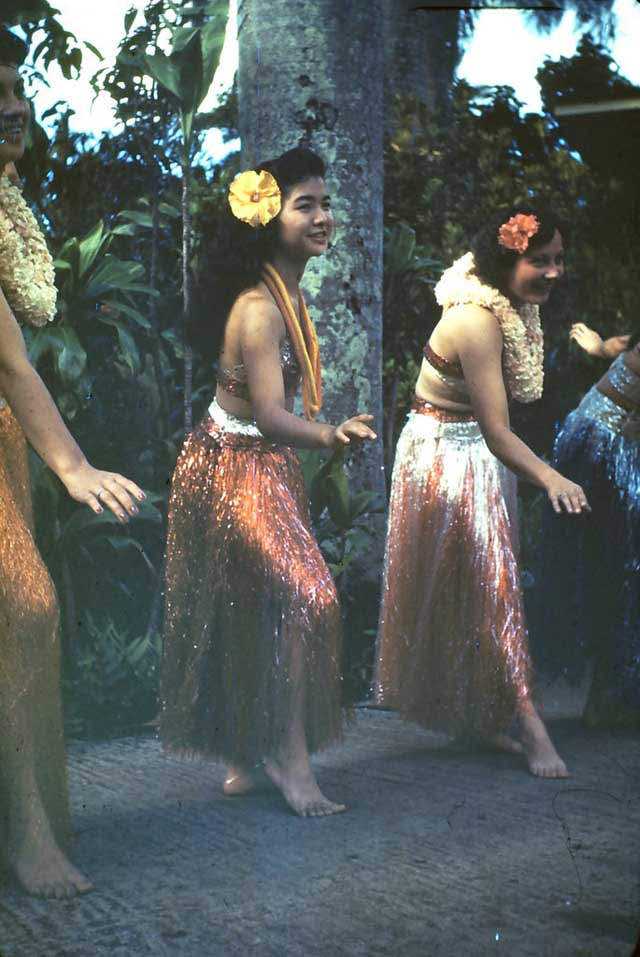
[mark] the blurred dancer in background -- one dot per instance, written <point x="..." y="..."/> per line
<point x="588" y="600"/>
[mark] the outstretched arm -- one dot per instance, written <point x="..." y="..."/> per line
<point x="589" y="340"/>
<point x="261" y="333"/>
<point x="479" y="346"/>
<point x="38" y="416"/>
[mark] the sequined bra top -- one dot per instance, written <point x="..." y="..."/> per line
<point x="449" y="373"/>
<point x="234" y="380"/>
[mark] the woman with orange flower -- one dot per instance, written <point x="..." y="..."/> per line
<point x="251" y="666"/>
<point x="452" y="650"/>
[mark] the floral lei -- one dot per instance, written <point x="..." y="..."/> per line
<point x="26" y="268"/>
<point x="521" y="331"/>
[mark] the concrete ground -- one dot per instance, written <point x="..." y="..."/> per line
<point x="440" y="853"/>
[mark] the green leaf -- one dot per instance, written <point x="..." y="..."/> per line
<point x="140" y="219"/>
<point x="399" y="247"/>
<point x="128" y="348"/>
<point x="211" y="41"/>
<point x="129" y="17"/>
<point x="72" y="359"/>
<point x="164" y="71"/>
<point x="122" y="307"/>
<point x="168" y="210"/>
<point x="113" y="274"/>
<point x="338" y="496"/>
<point x="68" y="405"/>
<point x="171" y="336"/>
<point x="63" y="345"/>
<point x="181" y="37"/>
<point x="360" y="502"/>
<point x="94" y="50"/>
<point x="89" y="248"/>
<point x="70" y="253"/>
<point x="125" y="229"/>
<point x="121" y="543"/>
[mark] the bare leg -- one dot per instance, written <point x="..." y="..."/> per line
<point x="542" y="758"/>
<point x="292" y="774"/>
<point x="33" y="853"/>
<point x="290" y="770"/>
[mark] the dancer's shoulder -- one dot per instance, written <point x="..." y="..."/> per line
<point x="257" y="319"/>
<point x="470" y="321"/>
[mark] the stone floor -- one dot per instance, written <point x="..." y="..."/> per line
<point x="440" y="853"/>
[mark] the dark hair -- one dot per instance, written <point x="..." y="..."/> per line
<point x="12" y="49"/>
<point x="493" y="261"/>
<point x="232" y="259"/>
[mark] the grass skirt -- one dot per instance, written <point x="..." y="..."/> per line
<point x="452" y="652"/>
<point x="252" y="619"/>
<point x="588" y="597"/>
<point x="30" y="703"/>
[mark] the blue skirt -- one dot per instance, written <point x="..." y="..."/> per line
<point x="587" y="603"/>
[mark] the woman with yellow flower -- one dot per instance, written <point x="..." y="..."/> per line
<point x="452" y="647"/>
<point x="251" y="668"/>
<point x="34" y="812"/>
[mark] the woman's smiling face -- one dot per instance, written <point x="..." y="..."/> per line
<point x="535" y="272"/>
<point x="14" y="114"/>
<point x="305" y="223"/>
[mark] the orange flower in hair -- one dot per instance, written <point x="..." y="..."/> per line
<point x="255" y="198"/>
<point x="516" y="233"/>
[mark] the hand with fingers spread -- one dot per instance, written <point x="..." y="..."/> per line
<point x="595" y="345"/>
<point x="567" y="495"/>
<point x="588" y="339"/>
<point x="99" y="489"/>
<point x="353" y="429"/>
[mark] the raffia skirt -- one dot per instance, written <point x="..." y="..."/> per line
<point x="30" y="703"/>
<point x="252" y="619"/>
<point x="452" y="648"/>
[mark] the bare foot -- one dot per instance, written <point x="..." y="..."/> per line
<point x="301" y="792"/>
<point x="240" y="780"/>
<point x="42" y="869"/>
<point x="542" y="758"/>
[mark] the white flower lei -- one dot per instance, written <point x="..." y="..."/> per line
<point x="521" y="330"/>
<point x="27" y="276"/>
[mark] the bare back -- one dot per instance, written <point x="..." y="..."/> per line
<point x="441" y="380"/>
<point x="252" y="302"/>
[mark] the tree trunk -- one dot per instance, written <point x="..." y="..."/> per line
<point x="421" y="53"/>
<point x="186" y="296"/>
<point x="312" y="71"/>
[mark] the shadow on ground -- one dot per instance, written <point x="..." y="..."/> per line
<point x="441" y="852"/>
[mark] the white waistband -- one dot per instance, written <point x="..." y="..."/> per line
<point x="233" y="423"/>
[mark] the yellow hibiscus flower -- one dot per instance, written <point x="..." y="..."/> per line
<point x="255" y="197"/>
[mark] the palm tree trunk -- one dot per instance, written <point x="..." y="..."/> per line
<point x="186" y="296"/>
<point x="421" y="53"/>
<point x="312" y="72"/>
